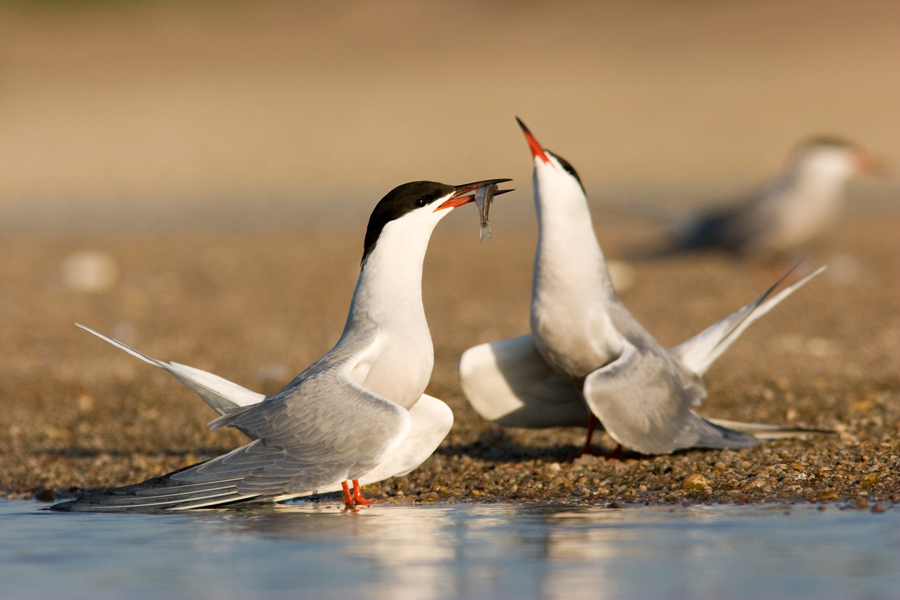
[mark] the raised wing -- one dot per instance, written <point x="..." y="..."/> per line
<point x="222" y="395"/>
<point x="702" y="350"/>
<point x="508" y="382"/>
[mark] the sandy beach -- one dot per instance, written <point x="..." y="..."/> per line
<point x="256" y="307"/>
<point x="220" y="166"/>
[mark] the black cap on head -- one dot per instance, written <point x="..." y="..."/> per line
<point x="567" y="167"/>
<point x="826" y="140"/>
<point x="399" y="201"/>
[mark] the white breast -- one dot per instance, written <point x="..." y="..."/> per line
<point x="397" y="369"/>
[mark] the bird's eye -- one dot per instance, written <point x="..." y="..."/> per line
<point x="420" y="202"/>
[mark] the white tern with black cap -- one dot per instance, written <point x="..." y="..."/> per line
<point x="359" y="413"/>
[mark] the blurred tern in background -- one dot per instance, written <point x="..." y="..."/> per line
<point x="358" y="414"/>
<point x="587" y="359"/>
<point x="785" y="215"/>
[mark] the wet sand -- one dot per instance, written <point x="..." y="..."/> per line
<point x="256" y="306"/>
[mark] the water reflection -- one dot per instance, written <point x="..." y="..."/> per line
<point x="406" y="554"/>
<point x="414" y="551"/>
<point x="453" y="551"/>
<point x="540" y="551"/>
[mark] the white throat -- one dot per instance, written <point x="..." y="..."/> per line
<point x="815" y="194"/>
<point x="568" y="255"/>
<point x="825" y="173"/>
<point x="387" y="315"/>
<point x="571" y="291"/>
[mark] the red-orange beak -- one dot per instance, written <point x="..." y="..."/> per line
<point x="465" y="193"/>
<point x="867" y="163"/>
<point x="536" y="150"/>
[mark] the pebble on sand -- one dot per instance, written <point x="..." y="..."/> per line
<point x="695" y="482"/>
<point x="89" y="271"/>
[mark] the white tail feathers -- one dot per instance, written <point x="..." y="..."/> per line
<point x="762" y="431"/>
<point x="702" y="350"/>
<point x="223" y="396"/>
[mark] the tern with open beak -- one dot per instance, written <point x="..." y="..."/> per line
<point x="587" y="359"/>
<point x="357" y="414"/>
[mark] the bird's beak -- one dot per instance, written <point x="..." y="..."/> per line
<point x="867" y="163"/>
<point x="466" y="193"/>
<point x="536" y="150"/>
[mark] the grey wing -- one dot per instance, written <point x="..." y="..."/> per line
<point x="643" y="402"/>
<point x="509" y="382"/>
<point x="726" y="230"/>
<point x="702" y="350"/>
<point x="431" y="422"/>
<point x="222" y="395"/>
<point x="326" y="429"/>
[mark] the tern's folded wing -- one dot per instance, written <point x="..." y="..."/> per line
<point x="508" y="382"/>
<point x="431" y="422"/>
<point x="643" y="403"/>
<point x="325" y="429"/>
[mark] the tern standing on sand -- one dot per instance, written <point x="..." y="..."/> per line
<point x="358" y="412"/>
<point x="587" y="358"/>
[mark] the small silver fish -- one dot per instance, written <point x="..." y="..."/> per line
<point x="483" y="198"/>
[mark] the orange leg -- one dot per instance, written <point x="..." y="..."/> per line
<point x="354" y="498"/>
<point x="357" y="494"/>
<point x="348" y="500"/>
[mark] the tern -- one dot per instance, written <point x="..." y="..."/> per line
<point x="784" y="215"/>
<point x="359" y="413"/>
<point x="587" y="359"/>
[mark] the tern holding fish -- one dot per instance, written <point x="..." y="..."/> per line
<point x="587" y="359"/>
<point x="357" y="414"/>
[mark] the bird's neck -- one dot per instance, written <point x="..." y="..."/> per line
<point x="572" y="294"/>
<point x="825" y="185"/>
<point x="386" y="329"/>
<point x="389" y="289"/>
<point x="568" y="255"/>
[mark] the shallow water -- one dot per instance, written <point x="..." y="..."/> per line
<point x="452" y="551"/>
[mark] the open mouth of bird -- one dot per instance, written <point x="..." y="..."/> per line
<point x="465" y="193"/>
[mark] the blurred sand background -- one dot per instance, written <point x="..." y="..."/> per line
<point x="159" y="103"/>
<point x="221" y="159"/>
